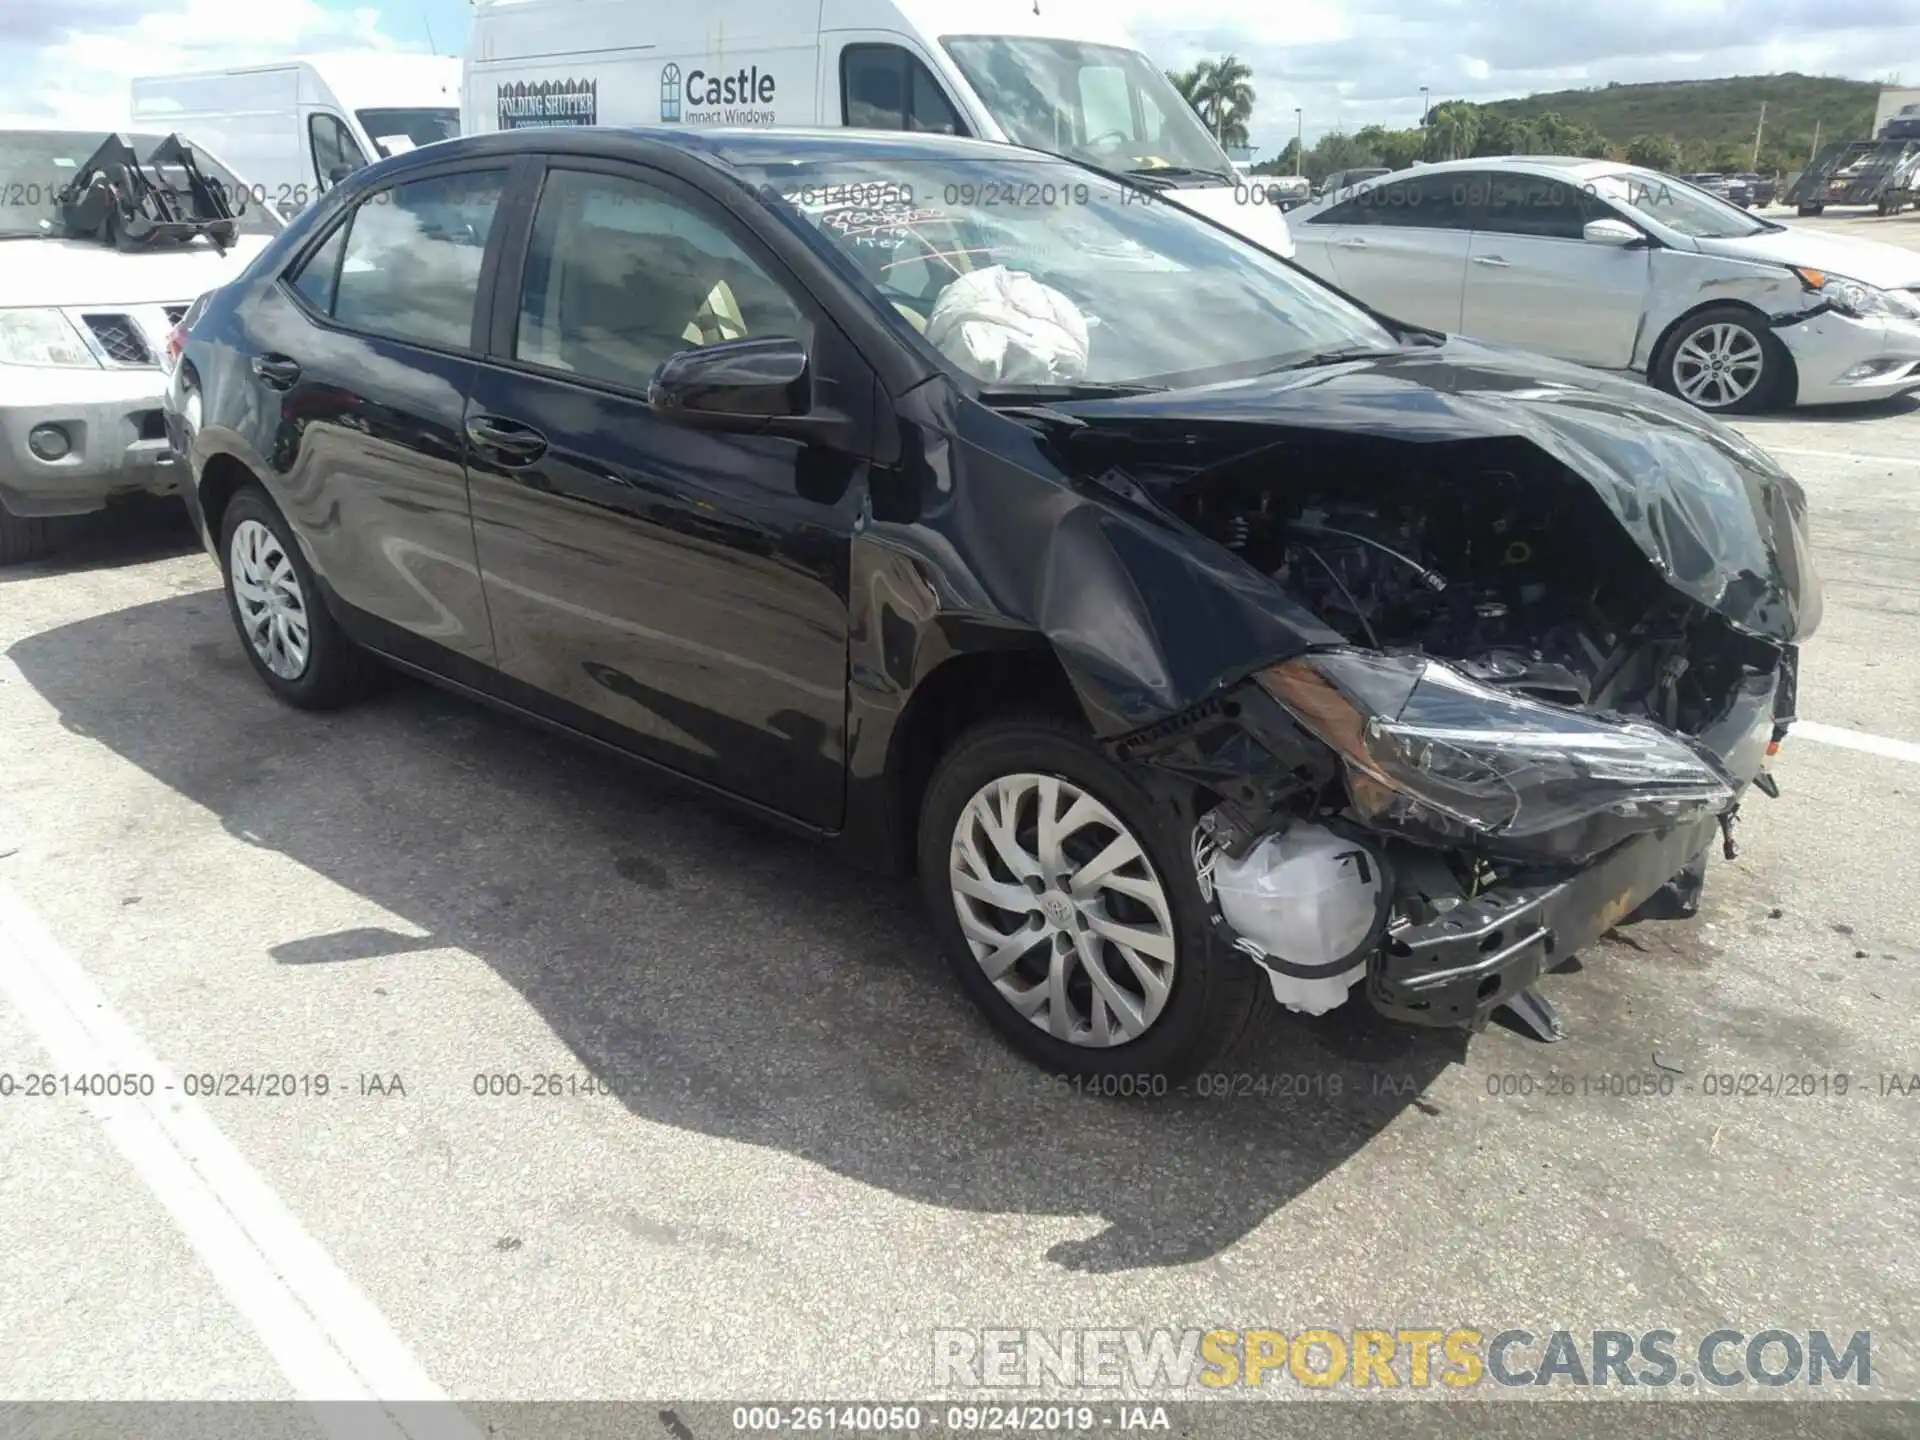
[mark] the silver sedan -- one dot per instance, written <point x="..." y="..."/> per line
<point x="1626" y="269"/>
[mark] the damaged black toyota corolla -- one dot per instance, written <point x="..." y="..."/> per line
<point x="1193" y="631"/>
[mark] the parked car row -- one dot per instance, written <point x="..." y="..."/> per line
<point x="85" y="317"/>
<point x="1193" y="630"/>
<point x="1630" y="270"/>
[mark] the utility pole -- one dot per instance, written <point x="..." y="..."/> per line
<point x="1424" y="91"/>
<point x="1816" y="140"/>
<point x="1299" y="143"/>
<point x="1757" y="131"/>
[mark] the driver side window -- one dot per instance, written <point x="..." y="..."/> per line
<point x="621" y="274"/>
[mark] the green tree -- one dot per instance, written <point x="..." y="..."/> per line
<point x="1654" y="152"/>
<point x="1395" y="149"/>
<point x="1453" y="128"/>
<point x="1221" y="94"/>
<point x="1336" y="152"/>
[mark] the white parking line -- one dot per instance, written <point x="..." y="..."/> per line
<point x="1856" y="740"/>
<point x="326" y="1336"/>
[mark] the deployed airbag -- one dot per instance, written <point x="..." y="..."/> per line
<point x="1005" y="327"/>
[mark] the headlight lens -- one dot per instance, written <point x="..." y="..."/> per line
<point x="1428" y="749"/>
<point x="1856" y="297"/>
<point x="42" y="337"/>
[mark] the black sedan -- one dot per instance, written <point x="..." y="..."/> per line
<point x="1193" y="632"/>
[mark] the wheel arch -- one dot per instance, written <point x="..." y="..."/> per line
<point x="221" y="478"/>
<point x="963" y="690"/>
<point x="1789" y="392"/>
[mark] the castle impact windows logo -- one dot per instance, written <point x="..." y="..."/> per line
<point x="546" y="103"/>
<point x="702" y="98"/>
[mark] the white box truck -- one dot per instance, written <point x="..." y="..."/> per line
<point x="1055" y="75"/>
<point x="291" y="130"/>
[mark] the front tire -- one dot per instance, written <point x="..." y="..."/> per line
<point x="22" y="537"/>
<point x="1724" y="360"/>
<point x="1068" y="910"/>
<point x="294" y="645"/>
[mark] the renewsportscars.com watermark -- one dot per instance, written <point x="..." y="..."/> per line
<point x="1460" y="1358"/>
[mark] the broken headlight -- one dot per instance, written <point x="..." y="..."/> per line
<point x="1430" y="750"/>
<point x="1857" y="298"/>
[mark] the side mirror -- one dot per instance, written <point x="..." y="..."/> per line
<point x="750" y="386"/>
<point x="1610" y="232"/>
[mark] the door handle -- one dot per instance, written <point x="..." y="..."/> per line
<point x="1351" y="242"/>
<point x="1493" y="260"/>
<point x="277" y="370"/>
<point x="515" y="443"/>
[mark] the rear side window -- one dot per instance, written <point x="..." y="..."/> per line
<point x="1539" y="205"/>
<point x="409" y="266"/>
<point x="882" y="87"/>
<point x="315" y="279"/>
<point x="621" y="274"/>
<point x="1426" y="202"/>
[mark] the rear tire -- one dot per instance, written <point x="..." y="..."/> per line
<point x="1149" y="1022"/>
<point x="1811" y="209"/>
<point x="22" y="537"/>
<point x="1755" y="369"/>
<point x="276" y="598"/>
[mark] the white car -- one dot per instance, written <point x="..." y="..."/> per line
<point x="83" y="332"/>
<point x="1626" y="269"/>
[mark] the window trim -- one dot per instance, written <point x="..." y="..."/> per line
<point x="1471" y="209"/>
<point x="1485" y="213"/>
<point x="516" y="246"/>
<point x="512" y="178"/>
<point x="906" y="86"/>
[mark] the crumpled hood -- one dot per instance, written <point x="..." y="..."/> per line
<point x="72" y="273"/>
<point x="1712" y="512"/>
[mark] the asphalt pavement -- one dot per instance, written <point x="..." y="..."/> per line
<point x="779" y="1152"/>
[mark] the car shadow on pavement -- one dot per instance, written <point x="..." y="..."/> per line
<point x="721" y="976"/>
<point x="129" y="533"/>
<point x="1890" y="408"/>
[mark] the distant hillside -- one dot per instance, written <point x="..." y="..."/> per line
<point x="1705" y="116"/>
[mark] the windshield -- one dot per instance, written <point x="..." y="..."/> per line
<point x="394" y="132"/>
<point x="36" y="165"/>
<point x="999" y="261"/>
<point x="1098" y="103"/>
<point x="1678" y="205"/>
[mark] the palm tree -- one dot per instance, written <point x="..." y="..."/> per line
<point x="1221" y="94"/>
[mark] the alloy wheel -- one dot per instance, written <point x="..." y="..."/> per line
<point x="272" y="608"/>
<point x="1062" y="910"/>
<point x="1719" y="365"/>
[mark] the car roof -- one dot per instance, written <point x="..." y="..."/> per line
<point x="1570" y="164"/>
<point x="743" y="145"/>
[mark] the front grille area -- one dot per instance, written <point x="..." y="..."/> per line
<point x="152" y="424"/>
<point x="119" y="338"/>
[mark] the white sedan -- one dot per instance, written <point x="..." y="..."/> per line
<point x="1626" y="269"/>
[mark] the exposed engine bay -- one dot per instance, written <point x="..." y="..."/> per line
<point x="1526" y="582"/>
<point x="1408" y="861"/>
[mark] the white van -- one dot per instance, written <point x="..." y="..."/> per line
<point x="291" y="130"/>
<point x="1056" y="75"/>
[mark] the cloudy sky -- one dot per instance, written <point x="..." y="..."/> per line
<point x="1346" y="63"/>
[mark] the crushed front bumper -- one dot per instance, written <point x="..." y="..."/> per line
<point x="1458" y="969"/>
<point x="113" y="429"/>
<point x="1842" y="361"/>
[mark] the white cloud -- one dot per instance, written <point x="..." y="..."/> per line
<point x="80" y="71"/>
